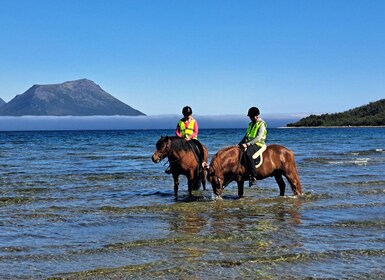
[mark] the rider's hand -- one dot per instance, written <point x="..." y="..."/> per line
<point x="242" y="146"/>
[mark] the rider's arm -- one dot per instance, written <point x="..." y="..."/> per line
<point x="195" y="130"/>
<point x="242" y="141"/>
<point x="177" y="131"/>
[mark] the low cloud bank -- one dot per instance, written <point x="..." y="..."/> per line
<point x="35" y="123"/>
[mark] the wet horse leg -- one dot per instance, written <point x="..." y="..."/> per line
<point x="240" y="188"/>
<point x="176" y="184"/>
<point x="203" y="178"/>
<point x="281" y="183"/>
<point x="190" y="183"/>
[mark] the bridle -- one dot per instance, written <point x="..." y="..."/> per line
<point x="160" y="154"/>
<point x="223" y="179"/>
<point x="166" y="150"/>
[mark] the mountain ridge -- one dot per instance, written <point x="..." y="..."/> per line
<point x="72" y="98"/>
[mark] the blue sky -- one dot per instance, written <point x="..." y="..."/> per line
<point x="219" y="57"/>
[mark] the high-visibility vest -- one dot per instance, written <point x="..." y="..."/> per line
<point x="189" y="130"/>
<point x="252" y="131"/>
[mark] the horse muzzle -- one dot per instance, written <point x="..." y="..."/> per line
<point x="155" y="159"/>
<point x="216" y="184"/>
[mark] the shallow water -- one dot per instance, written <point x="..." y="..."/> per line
<point x="92" y="205"/>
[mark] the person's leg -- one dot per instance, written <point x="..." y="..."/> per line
<point x="251" y="163"/>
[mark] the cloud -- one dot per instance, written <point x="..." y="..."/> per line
<point x="36" y="123"/>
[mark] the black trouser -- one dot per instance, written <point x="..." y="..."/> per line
<point x="250" y="163"/>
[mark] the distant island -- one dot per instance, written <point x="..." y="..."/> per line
<point x="372" y="114"/>
<point x="73" y="98"/>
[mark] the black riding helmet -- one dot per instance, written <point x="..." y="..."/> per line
<point x="253" y="112"/>
<point x="186" y="111"/>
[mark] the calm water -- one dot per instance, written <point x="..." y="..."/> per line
<point x="92" y="205"/>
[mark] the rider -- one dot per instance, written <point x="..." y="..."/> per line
<point x="253" y="140"/>
<point x="187" y="128"/>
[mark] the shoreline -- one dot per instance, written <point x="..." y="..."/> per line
<point x="342" y="126"/>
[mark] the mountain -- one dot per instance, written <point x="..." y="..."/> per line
<point x="73" y="98"/>
<point x="372" y="114"/>
<point x="2" y="102"/>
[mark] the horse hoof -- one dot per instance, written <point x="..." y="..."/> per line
<point x="217" y="197"/>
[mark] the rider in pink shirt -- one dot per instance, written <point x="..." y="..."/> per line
<point x="187" y="127"/>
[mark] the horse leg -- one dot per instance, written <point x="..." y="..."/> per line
<point x="176" y="184"/>
<point x="281" y="183"/>
<point x="190" y="183"/>
<point x="240" y="188"/>
<point x="203" y="178"/>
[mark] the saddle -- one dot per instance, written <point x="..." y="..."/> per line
<point x="258" y="156"/>
<point x="197" y="150"/>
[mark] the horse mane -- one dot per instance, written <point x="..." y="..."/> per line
<point x="179" y="144"/>
<point x="225" y="149"/>
<point x="221" y="152"/>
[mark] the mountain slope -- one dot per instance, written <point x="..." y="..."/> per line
<point x="372" y="114"/>
<point x="2" y="102"/>
<point x="73" y="98"/>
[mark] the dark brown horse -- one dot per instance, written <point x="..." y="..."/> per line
<point x="185" y="158"/>
<point x="228" y="165"/>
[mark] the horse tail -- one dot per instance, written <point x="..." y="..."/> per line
<point x="292" y="174"/>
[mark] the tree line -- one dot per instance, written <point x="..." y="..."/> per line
<point x="372" y="114"/>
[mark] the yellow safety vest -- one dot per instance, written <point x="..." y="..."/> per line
<point x="189" y="130"/>
<point x="252" y="131"/>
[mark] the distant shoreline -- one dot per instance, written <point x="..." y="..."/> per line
<point x="343" y="126"/>
<point x="40" y="123"/>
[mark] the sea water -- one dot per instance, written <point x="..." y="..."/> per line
<point x="92" y="205"/>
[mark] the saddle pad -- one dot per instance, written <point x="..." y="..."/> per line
<point x="259" y="152"/>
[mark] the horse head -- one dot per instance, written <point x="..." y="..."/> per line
<point x="215" y="176"/>
<point x="224" y="168"/>
<point x="162" y="149"/>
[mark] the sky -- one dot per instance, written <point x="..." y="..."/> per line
<point x="219" y="57"/>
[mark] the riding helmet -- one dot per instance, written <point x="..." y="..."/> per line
<point x="187" y="111"/>
<point x="253" y="111"/>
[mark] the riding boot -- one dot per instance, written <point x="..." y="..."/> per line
<point x="252" y="181"/>
<point x="251" y="164"/>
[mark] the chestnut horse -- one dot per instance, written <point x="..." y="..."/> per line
<point x="228" y="165"/>
<point x="184" y="159"/>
